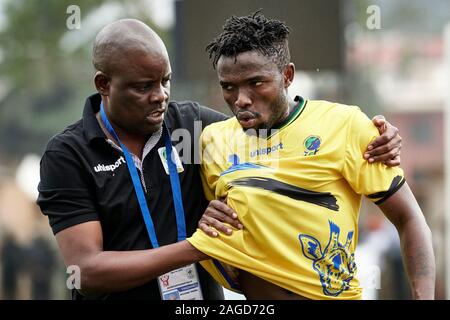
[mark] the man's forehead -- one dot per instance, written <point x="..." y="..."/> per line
<point x="253" y="57"/>
<point x="248" y="62"/>
<point x="124" y="38"/>
<point x="144" y="65"/>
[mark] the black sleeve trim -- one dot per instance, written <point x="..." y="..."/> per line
<point x="73" y="221"/>
<point x="390" y="192"/>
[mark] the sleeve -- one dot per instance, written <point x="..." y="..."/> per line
<point x="376" y="181"/>
<point x="210" y="170"/>
<point x="64" y="195"/>
<point x="223" y="273"/>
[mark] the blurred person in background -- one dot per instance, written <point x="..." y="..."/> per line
<point x="27" y="253"/>
<point x="379" y="251"/>
<point x="41" y="263"/>
<point x="12" y="262"/>
<point x="125" y="232"/>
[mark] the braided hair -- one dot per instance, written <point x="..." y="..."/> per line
<point x="252" y="32"/>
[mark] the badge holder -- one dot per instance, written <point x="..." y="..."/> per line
<point x="180" y="284"/>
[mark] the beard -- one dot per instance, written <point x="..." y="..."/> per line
<point x="278" y="110"/>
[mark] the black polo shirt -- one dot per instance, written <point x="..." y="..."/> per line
<point x="83" y="178"/>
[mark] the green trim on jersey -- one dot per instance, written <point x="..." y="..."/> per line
<point x="292" y="117"/>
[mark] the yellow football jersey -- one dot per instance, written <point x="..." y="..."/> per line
<point x="297" y="192"/>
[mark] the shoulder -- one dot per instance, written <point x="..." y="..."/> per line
<point x="337" y="115"/>
<point x="67" y="139"/>
<point x="183" y="109"/>
<point x="332" y="109"/>
<point x="220" y="130"/>
<point x="227" y="124"/>
<point x="184" y="113"/>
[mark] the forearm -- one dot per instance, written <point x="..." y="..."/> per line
<point x="418" y="257"/>
<point x="110" y="271"/>
<point x="404" y="212"/>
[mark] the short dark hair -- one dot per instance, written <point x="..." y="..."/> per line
<point x="252" y="32"/>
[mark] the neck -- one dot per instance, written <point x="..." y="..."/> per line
<point x="289" y="110"/>
<point x="134" y="143"/>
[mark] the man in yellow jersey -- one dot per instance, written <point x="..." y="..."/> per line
<point x="294" y="172"/>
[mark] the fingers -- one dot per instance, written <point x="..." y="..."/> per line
<point x="221" y="206"/>
<point x="388" y="151"/>
<point x="393" y="162"/>
<point x="216" y="217"/>
<point x="380" y="122"/>
<point x="389" y="133"/>
<point x="202" y="225"/>
<point x="391" y="156"/>
<point x="386" y="148"/>
<point x="392" y="145"/>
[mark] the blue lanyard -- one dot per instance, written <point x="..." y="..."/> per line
<point x="174" y="182"/>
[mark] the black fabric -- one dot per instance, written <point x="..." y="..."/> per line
<point x="72" y="190"/>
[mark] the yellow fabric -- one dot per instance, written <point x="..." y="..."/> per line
<point x="301" y="240"/>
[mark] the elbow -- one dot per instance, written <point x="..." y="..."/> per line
<point x="427" y="233"/>
<point x="90" y="282"/>
<point x="418" y="226"/>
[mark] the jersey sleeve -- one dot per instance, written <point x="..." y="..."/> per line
<point x="375" y="181"/>
<point x="210" y="169"/>
<point x="64" y="195"/>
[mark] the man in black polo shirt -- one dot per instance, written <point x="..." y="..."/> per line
<point x="86" y="189"/>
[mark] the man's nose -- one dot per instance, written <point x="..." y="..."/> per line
<point x="243" y="99"/>
<point x="159" y="95"/>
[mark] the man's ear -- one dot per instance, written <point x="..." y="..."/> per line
<point x="102" y="82"/>
<point x="288" y="74"/>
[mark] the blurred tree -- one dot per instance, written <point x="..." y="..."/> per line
<point x="43" y="83"/>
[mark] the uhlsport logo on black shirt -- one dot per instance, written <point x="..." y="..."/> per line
<point x="110" y="167"/>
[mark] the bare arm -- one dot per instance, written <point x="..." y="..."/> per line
<point x="109" y="271"/>
<point x="404" y="212"/>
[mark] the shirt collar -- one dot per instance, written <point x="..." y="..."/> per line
<point x="92" y="127"/>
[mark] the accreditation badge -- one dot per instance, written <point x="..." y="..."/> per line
<point x="163" y="155"/>
<point x="180" y="284"/>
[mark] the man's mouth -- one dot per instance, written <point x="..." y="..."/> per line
<point x="156" y="116"/>
<point x="246" y="119"/>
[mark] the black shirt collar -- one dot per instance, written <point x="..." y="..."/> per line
<point x="91" y="126"/>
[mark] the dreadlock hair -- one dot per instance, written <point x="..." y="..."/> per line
<point x="252" y="32"/>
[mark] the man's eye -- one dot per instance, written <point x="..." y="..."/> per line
<point x="165" y="82"/>
<point x="227" y="87"/>
<point x="257" y="83"/>
<point x="142" y="88"/>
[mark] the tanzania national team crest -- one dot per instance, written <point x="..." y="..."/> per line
<point x="312" y="145"/>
